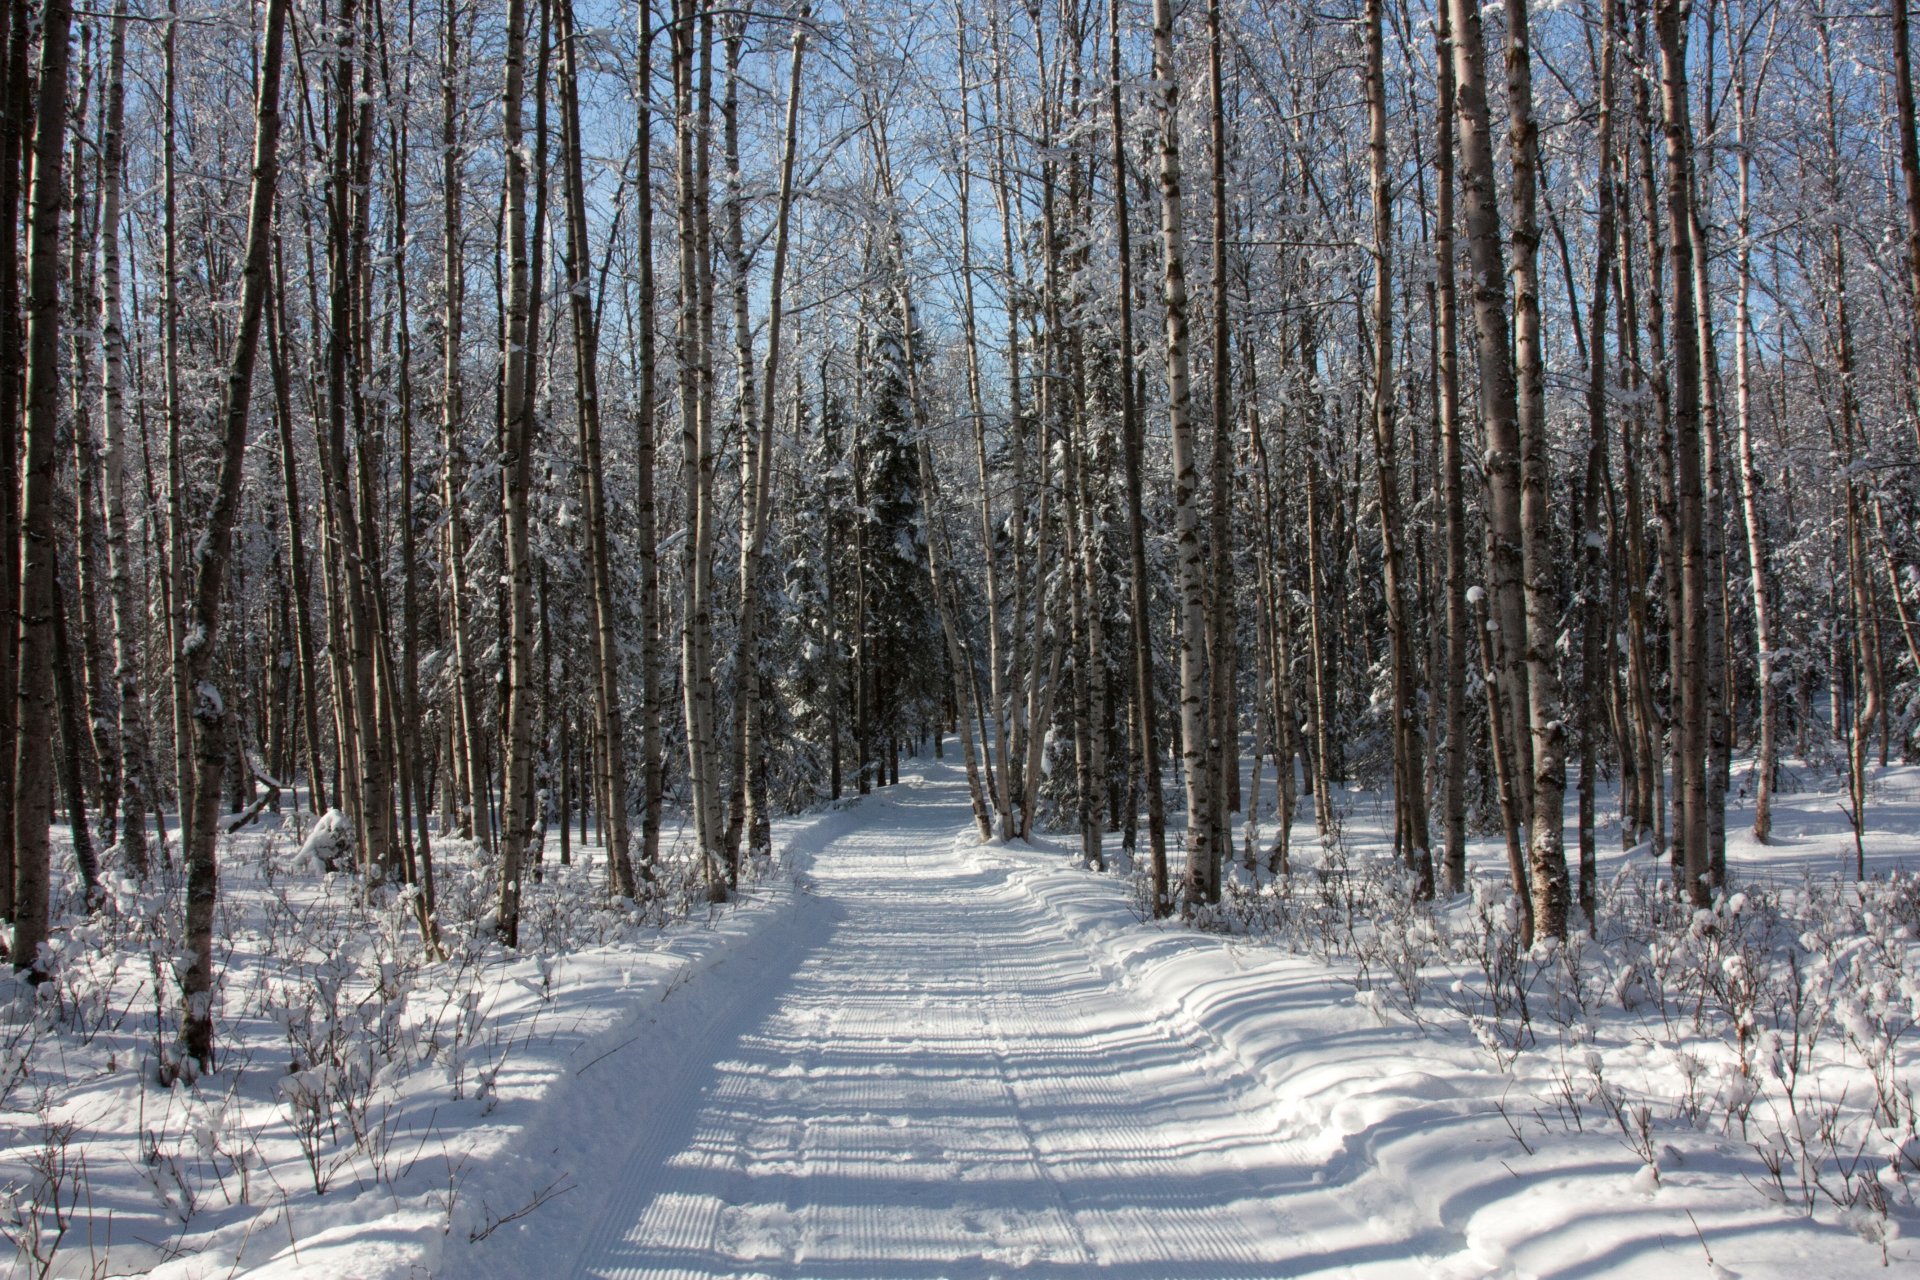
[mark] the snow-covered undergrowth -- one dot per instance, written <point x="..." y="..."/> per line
<point x="359" y="1078"/>
<point x="1730" y="1089"/>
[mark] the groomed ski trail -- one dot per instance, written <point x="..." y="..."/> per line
<point x="935" y="1080"/>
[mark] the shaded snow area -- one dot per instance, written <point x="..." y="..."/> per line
<point x="907" y="1054"/>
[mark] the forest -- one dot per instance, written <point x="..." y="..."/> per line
<point x="495" y="437"/>
<point x="470" y="420"/>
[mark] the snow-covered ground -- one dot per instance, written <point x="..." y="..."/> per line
<point x="908" y="1055"/>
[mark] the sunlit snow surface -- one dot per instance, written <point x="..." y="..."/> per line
<point x="975" y="1061"/>
<point x="947" y="1083"/>
<point x="907" y="1055"/>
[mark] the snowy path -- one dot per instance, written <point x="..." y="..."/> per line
<point x="936" y="1082"/>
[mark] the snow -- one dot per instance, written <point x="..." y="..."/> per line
<point x="958" y="1059"/>
<point x="328" y="846"/>
<point x="909" y="1054"/>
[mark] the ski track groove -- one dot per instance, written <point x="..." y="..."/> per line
<point x="935" y="1081"/>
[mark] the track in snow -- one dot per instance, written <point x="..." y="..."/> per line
<point x="941" y="1084"/>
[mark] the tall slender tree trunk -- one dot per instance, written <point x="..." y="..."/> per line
<point x="1690" y="674"/>
<point x="644" y="508"/>
<point x="474" y="816"/>
<point x="72" y="743"/>
<point x="610" y="722"/>
<point x="96" y="719"/>
<point x="211" y="719"/>
<point x="742" y="747"/>
<point x="33" y="764"/>
<point x="1498" y="408"/>
<point x="1223" y="737"/>
<point x="1909" y="155"/>
<point x="996" y="752"/>
<point x="306" y="655"/>
<point x="517" y="816"/>
<point x="747" y="802"/>
<point x="1547" y="783"/>
<point x="1759" y="568"/>
<point x="1409" y="734"/>
<point x="1146" y="716"/>
<point x="411" y="747"/>
<point x="1452" y="482"/>
<point x="1199" y="885"/>
<point x="1596" y="642"/>
<point x="1869" y="697"/>
<point x="357" y="713"/>
<point x="173" y="563"/>
<point x="137" y="791"/>
<point x="1718" y="695"/>
<point x="15" y="103"/>
<point x="693" y="102"/>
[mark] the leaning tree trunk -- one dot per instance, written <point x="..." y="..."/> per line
<point x="997" y="791"/>
<point x="610" y="723"/>
<point x="210" y="717"/>
<point x="1409" y="737"/>
<point x="1131" y="432"/>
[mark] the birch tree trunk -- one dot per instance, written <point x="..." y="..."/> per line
<point x="1199" y="886"/>
<point x="1146" y="716"/>
<point x="1547" y="783"/>
<point x="747" y="802"/>
<point x="996" y="753"/>
<point x="1498" y="410"/>
<point x="517" y="805"/>
<point x="744" y="699"/>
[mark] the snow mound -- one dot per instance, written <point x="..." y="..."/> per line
<point x="328" y="847"/>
